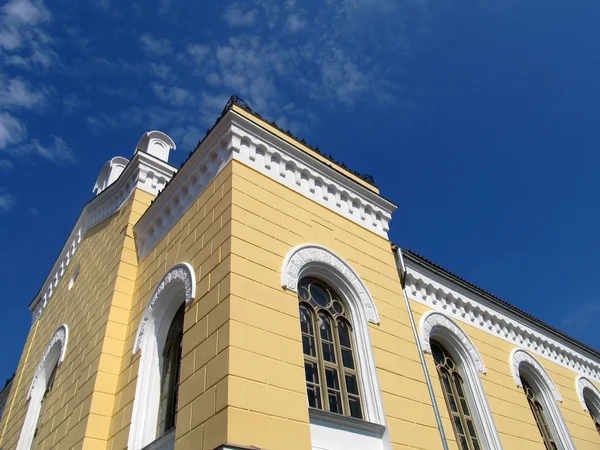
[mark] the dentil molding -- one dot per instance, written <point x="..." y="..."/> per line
<point x="145" y="172"/>
<point x="236" y="137"/>
<point x="441" y="295"/>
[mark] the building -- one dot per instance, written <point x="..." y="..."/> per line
<point x="252" y="299"/>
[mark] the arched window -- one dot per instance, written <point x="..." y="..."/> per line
<point x="589" y="396"/>
<point x="542" y="395"/>
<point x="330" y="364"/>
<point x="158" y="339"/>
<point x="540" y="416"/>
<point x="41" y="385"/>
<point x="456" y="399"/>
<point x="171" y="371"/>
<point x="459" y="366"/>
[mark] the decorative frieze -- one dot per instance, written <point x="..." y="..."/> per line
<point x="464" y="305"/>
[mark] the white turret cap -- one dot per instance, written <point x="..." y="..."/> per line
<point x="156" y="143"/>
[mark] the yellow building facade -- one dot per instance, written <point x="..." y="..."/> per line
<point x="252" y="299"/>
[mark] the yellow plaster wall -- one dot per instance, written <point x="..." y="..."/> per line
<point x="512" y="415"/>
<point x="77" y="410"/>
<point x="267" y="393"/>
<point x="201" y="238"/>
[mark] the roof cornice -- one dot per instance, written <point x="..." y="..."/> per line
<point x="235" y="137"/>
<point x="144" y="172"/>
<point x="430" y="285"/>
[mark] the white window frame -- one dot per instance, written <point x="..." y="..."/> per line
<point x="53" y="355"/>
<point x="177" y="287"/>
<point x="588" y="390"/>
<point x="441" y="328"/>
<point x="523" y="364"/>
<point x="311" y="260"/>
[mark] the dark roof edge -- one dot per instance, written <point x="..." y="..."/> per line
<point x="413" y="256"/>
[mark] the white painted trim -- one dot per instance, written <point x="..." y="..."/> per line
<point x="176" y="287"/>
<point x="236" y="137"/>
<point x="523" y="364"/>
<point x="586" y="389"/>
<point x="53" y="355"/>
<point x="143" y="172"/>
<point x="304" y="256"/>
<point x="440" y="294"/>
<point x="312" y="260"/>
<point x="441" y="328"/>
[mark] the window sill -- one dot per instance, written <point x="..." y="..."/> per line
<point x="164" y="442"/>
<point x="346" y="423"/>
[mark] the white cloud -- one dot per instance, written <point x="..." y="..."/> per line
<point x="7" y="202"/>
<point x="6" y="165"/>
<point x="235" y="16"/>
<point x="57" y="152"/>
<point x="161" y="70"/>
<point x="295" y="23"/>
<point x="155" y="47"/>
<point x="16" y="92"/>
<point x="173" y="95"/>
<point x="12" y="130"/>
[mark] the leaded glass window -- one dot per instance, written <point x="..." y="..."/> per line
<point x="171" y="373"/>
<point x="456" y="399"/>
<point x="332" y="382"/>
<point x="539" y="414"/>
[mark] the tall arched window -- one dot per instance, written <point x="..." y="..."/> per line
<point x="41" y="386"/>
<point x="539" y="414"/>
<point x="589" y="396"/>
<point x="455" y="395"/>
<point x="171" y="372"/>
<point x="332" y="382"/>
<point x="159" y="339"/>
<point x="542" y="397"/>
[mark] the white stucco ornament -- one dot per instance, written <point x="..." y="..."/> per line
<point x="302" y="257"/>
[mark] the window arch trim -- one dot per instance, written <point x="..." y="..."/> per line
<point x="305" y="260"/>
<point x="442" y="329"/>
<point x="519" y="357"/>
<point x="583" y="384"/>
<point x="523" y="364"/>
<point x="311" y="260"/>
<point x="177" y="286"/>
<point x="50" y="358"/>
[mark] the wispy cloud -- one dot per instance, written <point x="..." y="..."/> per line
<point x="176" y="96"/>
<point x="582" y="315"/>
<point x="237" y="16"/>
<point x="7" y="201"/>
<point x="12" y="130"/>
<point x="18" y="93"/>
<point x="57" y="151"/>
<point x="155" y="47"/>
<point x="6" y="165"/>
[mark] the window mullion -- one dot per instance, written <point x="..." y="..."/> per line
<point x="321" y="364"/>
<point x="341" y="368"/>
<point x="461" y="413"/>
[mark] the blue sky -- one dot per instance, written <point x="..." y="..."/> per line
<point x="479" y="119"/>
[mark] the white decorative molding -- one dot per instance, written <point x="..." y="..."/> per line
<point x="60" y="336"/>
<point x="52" y="356"/>
<point x="441" y="294"/>
<point x="236" y="137"/>
<point x="432" y="320"/>
<point x="300" y="258"/>
<point x="518" y="357"/>
<point x="183" y="274"/>
<point x="144" y="172"/>
<point x="110" y="173"/>
<point x="593" y="393"/>
<point x="176" y="287"/>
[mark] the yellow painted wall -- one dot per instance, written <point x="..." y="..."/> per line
<point x="77" y="410"/>
<point x="201" y="238"/>
<point x="267" y="399"/>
